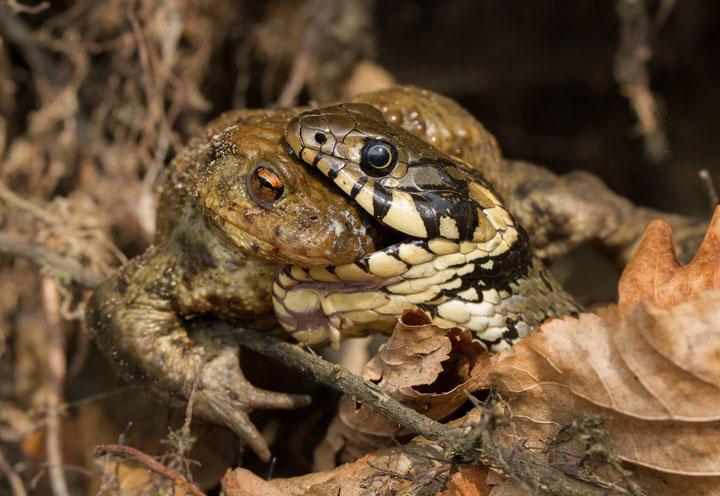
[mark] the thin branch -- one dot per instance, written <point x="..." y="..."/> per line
<point x="7" y="195"/>
<point x="632" y="75"/>
<point x="181" y="441"/>
<point x="28" y="9"/>
<point x="56" y="366"/>
<point x="709" y="188"/>
<point x="16" y="31"/>
<point x="149" y="463"/>
<point x="320" y="19"/>
<point x="185" y="429"/>
<point x="343" y="380"/>
<point x="65" y="268"/>
<point x="16" y="484"/>
<point x="462" y="445"/>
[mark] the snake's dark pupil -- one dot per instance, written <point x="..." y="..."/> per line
<point x="320" y="138"/>
<point x="379" y="156"/>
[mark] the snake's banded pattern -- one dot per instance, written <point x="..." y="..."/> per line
<point x="468" y="263"/>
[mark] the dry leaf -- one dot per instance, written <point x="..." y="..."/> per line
<point x="429" y="368"/>
<point x="655" y="275"/>
<point x="133" y="479"/>
<point x="386" y="471"/>
<point x="648" y="366"/>
<point x="426" y="367"/>
<point x="503" y="485"/>
<point x="470" y="481"/>
<point x="657" y="386"/>
<point x="652" y="373"/>
<point x="662" y="484"/>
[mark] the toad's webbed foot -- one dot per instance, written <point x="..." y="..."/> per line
<point x="226" y="397"/>
<point x="139" y="330"/>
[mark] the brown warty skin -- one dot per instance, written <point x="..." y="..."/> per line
<point x="234" y="204"/>
<point x="221" y="232"/>
<point x="467" y="262"/>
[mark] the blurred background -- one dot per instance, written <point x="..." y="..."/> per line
<point x="96" y="97"/>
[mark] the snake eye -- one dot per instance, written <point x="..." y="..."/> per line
<point x="266" y="185"/>
<point x="320" y="138"/>
<point x="378" y="157"/>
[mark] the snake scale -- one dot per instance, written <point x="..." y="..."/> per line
<point x="465" y="261"/>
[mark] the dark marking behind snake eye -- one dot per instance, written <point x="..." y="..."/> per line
<point x="320" y="138"/>
<point x="378" y="158"/>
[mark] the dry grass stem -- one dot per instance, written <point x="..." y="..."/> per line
<point x="149" y="463"/>
<point x="56" y="358"/>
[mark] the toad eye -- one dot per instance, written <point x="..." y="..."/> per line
<point x="266" y="185"/>
<point x="377" y="158"/>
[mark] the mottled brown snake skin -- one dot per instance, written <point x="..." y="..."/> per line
<point x="466" y="262"/>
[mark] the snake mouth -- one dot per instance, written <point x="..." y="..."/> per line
<point x="382" y="235"/>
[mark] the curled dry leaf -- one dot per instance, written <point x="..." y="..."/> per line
<point x="652" y="373"/>
<point x="469" y="481"/>
<point x="130" y="478"/>
<point x="426" y="367"/>
<point x="386" y="471"/>
<point x="655" y="275"/>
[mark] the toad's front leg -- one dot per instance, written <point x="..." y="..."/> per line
<point x="137" y="323"/>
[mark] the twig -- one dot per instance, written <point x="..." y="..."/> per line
<point x="390" y="473"/>
<point x="28" y="9"/>
<point x="663" y="13"/>
<point x="709" y="188"/>
<point x="631" y="72"/>
<point x="16" y="484"/>
<point x="458" y="443"/>
<point x="6" y="195"/>
<point x="51" y="219"/>
<point x="56" y="366"/>
<point x="185" y="429"/>
<point x="38" y="253"/>
<point x="149" y="463"/>
<point x="320" y="19"/>
<point x="43" y="69"/>
<point x="342" y="379"/>
<point x="180" y="441"/>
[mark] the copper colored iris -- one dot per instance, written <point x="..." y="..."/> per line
<point x="266" y="184"/>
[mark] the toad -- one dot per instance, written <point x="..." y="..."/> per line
<point x="233" y="205"/>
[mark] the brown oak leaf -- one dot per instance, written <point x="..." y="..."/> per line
<point x="426" y="367"/>
<point x="652" y="373"/>
<point x="385" y="471"/>
<point x="655" y="275"/>
<point x="468" y="481"/>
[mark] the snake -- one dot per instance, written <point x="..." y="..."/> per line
<point x="463" y="259"/>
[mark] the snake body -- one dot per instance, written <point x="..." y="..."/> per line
<point x="466" y="261"/>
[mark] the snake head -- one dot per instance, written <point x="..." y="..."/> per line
<point x="401" y="180"/>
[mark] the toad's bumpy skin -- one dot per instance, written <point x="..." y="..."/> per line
<point x="234" y="203"/>
<point x="472" y="265"/>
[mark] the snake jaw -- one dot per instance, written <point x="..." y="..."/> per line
<point x="469" y="265"/>
<point x="430" y="197"/>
